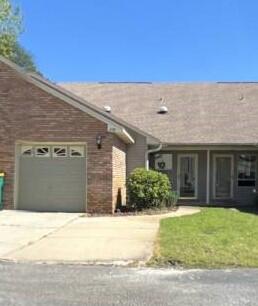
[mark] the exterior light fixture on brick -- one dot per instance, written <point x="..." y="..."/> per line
<point x="99" y="141"/>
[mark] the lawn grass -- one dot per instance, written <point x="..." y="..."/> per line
<point x="213" y="238"/>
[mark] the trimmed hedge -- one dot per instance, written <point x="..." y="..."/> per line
<point x="149" y="189"/>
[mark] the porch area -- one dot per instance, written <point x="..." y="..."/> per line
<point x="215" y="175"/>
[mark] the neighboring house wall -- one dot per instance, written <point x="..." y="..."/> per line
<point x="241" y="195"/>
<point x="136" y="152"/>
<point x="119" y="174"/>
<point x="28" y="113"/>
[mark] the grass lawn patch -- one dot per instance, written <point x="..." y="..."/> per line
<point x="213" y="238"/>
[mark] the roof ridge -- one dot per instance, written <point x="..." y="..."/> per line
<point x="192" y="83"/>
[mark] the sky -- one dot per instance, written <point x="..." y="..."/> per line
<point x="143" y="40"/>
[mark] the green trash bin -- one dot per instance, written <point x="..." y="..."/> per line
<point x="2" y="176"/>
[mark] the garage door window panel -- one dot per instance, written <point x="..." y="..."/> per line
<point x="27" y="151"/>
<point x="60" y="151"/>
<point x="43" y="151"/>
<point x="77" y="151"/>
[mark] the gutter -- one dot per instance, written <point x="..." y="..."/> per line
<point x="147" y="153"/>
<point x="121" y="133"/>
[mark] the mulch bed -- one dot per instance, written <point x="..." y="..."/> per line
<point x="127" y="212"/>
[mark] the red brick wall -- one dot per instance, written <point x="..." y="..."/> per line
<point x="119" y="174"/>
<point x="28" y="113"/>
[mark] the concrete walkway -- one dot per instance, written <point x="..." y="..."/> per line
<point x="77" y="238"/>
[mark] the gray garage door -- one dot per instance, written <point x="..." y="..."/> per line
<point x="52" y="178"/>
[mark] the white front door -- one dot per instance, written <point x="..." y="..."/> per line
<point x="223" y="176"/>
<point x="187" y="176"/>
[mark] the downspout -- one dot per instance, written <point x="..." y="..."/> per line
<point x="147" y="166"/>
<point x="255" y="189"/>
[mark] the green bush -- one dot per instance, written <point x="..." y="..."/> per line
<point x="172" y="199"/>
<point x="148" y="189"/>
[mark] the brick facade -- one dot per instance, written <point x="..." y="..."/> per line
<point x="119" y="174"/>
<point x="28" y="113"/>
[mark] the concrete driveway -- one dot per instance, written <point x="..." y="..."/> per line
<point x="58" y="237"/>
<point x="20" y="229"/>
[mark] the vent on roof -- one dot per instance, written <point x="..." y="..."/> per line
<point x="107" y="108"/>
<point x="163" y="109"/>
<point x="241" y="97"/>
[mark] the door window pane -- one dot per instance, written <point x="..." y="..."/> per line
<point x="187" y="176"/>
<point x="246" y="170"/>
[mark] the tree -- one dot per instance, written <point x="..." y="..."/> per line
<point x="7" y="43"/>
<point x="23" y="58"/>
<point x="10" y="29"/>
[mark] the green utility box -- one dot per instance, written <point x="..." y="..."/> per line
<point x="2" y="177"/>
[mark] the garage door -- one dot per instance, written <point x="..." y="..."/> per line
<point x="52" y="178"/>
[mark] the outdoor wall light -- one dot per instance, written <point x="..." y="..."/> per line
<point x="99" y="141"/>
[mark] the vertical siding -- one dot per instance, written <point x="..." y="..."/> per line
<point x="136" y="152"/>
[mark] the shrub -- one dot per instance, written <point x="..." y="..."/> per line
<point x="172" y="199"/>
<point x="148" y="189"/>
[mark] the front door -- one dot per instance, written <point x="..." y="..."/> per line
<point x="223" y="176"/>
<point x="187" y="176"/>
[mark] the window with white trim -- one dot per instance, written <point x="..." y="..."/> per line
<point x="43" y="151"/>
<point x="163" y="161"/>
<point x="59" y="151"/>
<point x="27" y="151"/>
<point x="77" y="151"/>
<point x="246" y="170"/>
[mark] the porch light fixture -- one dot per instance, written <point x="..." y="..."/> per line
<point x="99" y="141"/>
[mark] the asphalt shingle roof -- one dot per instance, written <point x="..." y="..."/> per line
<point x="206" y="113"/>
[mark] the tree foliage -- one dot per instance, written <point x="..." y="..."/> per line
<point x="23" y="58"/>
<point x="10" y="29"/>
<point x="10" y="19"/>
